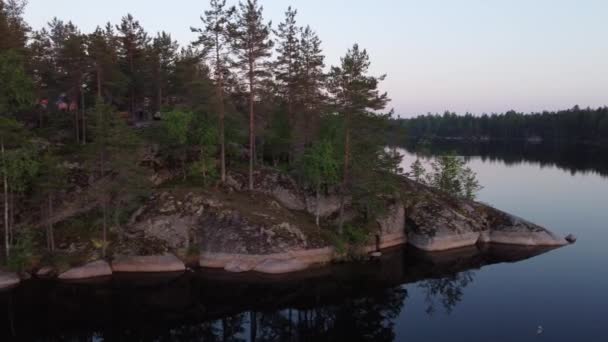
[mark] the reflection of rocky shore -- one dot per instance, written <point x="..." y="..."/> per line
<point x="332" y="303"/>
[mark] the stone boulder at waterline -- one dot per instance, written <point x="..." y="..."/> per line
<point x="8" y="280"/>
<point x="437" y="222"/>
<point x="91" y="270"/>
<point x="148" y="264"/>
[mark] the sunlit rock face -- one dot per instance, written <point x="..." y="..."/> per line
<point x="8" y="280"/>
<point x="392" y="226"/>
<point x="437" y="222"/>
<point x="286" y="192"/>
<point x="148" y="264"/>
<point x="272" y="230"/>
<point x="96" y="269"/>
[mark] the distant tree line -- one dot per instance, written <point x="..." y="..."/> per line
<point x="572" y="125"/>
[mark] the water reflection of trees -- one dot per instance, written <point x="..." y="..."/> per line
<point x="360" y="302"/>
<point x="370" y="318"/>
<point x="569" y="157"/>
<point x="447" y="291"/>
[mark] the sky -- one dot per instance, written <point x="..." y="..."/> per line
<point x="478" y="56"/>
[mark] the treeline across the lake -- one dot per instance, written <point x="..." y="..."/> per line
<point x="574" y="125"/>
<point x="97" y="112"/>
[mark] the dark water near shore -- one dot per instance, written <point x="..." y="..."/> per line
<point x="497" y="294"/>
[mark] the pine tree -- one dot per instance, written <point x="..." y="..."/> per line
<point x="42" y="66"/>
<point x="191" y="82"/>
<point x="286" y="66"/>
<point x="311" y="81"/>
<point x="320" y="169"/>
<point x="115" y="158"/>
<point x="214" y="37"/>
<point x="418" y="171"/>
<point x="164" y="50"/>
<point x="355" y="95"/>
<point x="132" y="52"/>
<point x="16" y="94"/>
<point x="71" y="64"/>
<point x="103" y="52"/>
<point x="13" y="29"/>
<point x="252" y="46"/>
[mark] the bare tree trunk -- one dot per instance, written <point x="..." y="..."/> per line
<point x="222" y="137"/>
<point x="5" y="182"/>
<point x="204" y="164"/>
<point x="160" y="86"/>
<point x="101" y="175"/>
<point x="50" y="234"/>
<point x="292" y="143"/>
<point x="222" y="109"/>
<point x="84" y="121"/>
<point x="251" y="127"/>
<point x="345" y="177"/>
<point x="98" y="82"/>
<point x="76" y="118"/>
<point x="318" y="209"/>
<point x="131" y="89"/>
<point x="105" y="228"/>
<point x="11" y="222"/>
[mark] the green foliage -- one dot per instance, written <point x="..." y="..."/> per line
<point x="320" y="165"/>
<point x="366" y="163"/>
<point x="418" y="171"/>
<point x="52" y="174"/>
<point x="279" y="135"/>
<point x="348" y="243"/>
<point x="22" y="166"/>
<point x="16" y="87"/>
<point x="177" y="124"/>
<point x="373" y="167"/>
<point x="187" y="129"/>
<point x="23" y="253"/>
<point x="451" y="175"/>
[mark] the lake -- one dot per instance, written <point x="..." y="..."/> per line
<point x="498" y="294"/>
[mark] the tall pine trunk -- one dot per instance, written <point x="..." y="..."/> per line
<point x="160" y="87"/>
<point x="84" y="120"/>
<point x="98" y="70"/>
<point x="102" y="166"/>
<point x="105" y="228"/>
<point x="222" y="108"/>
<point x="292" y="126"/>
<point x="346" y="174"/>
<point x="11" y="221"/>
<point x="50" y="233"/>
<point x="252" y="155"/>
<point x="76" y="124"/>
<point x="5" y="183"/>
<point x="318" y="209"/>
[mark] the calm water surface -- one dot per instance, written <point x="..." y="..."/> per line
<point x="406" y="297"/>
<point x="564" y="291"/>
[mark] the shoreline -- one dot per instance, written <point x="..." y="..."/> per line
<point x="277" y="264"/>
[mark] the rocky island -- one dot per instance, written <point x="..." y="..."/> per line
<point x="240" y="162"/>
<point x="272" y="230"/>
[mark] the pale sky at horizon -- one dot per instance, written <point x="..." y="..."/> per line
<point x="478" y="56"/>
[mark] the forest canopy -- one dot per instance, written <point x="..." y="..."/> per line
<point x="120" y="110"/>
